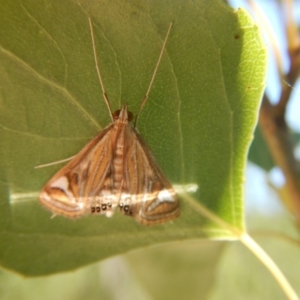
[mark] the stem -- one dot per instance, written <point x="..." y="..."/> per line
<point x="277" y="135"/>
<point x="249" y="243"/>
<point x="270" y="265"/>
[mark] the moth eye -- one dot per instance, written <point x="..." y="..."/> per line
<point x="103" y="206"/>
<point x="116" y="114"/>
<point x="130" y="116"/>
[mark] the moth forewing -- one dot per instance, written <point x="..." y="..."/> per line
<point x="71" y="191"/>
<point x="147" y="195"/>
<point x="115" y="169"/>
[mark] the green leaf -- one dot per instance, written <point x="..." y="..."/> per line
<point x="245" y="274"/>
<point x="198" y="121"/>
<point x="170" y="275"/>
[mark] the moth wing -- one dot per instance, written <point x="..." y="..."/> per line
<point x="146" y="195"/>
<point x="83" y="185"/>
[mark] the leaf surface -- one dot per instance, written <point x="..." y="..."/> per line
<point x="198" y="121"/>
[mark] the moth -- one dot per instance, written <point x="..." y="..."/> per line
<point x="115" y="170"/>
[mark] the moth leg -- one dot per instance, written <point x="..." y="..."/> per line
<point x="54" y="163"/>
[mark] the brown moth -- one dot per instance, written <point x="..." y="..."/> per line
<point x="115" y="169"/>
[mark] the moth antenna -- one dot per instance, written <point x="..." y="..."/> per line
<point x="54" y="163"/>
<point x="154" y="74"/>
<point x="98" y="71"/>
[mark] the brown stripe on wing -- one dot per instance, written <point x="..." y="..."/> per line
<point x="147" y="195"/>
<point x="103" y="179"/>
<point x="67" y="192"/>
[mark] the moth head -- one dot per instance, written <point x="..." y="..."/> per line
<point x="123" y="114"/>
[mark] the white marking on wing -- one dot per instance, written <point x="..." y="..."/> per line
<point x="63" y="184"/>
<point x="126" y="198"/>
<point x="165" y="195"/>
